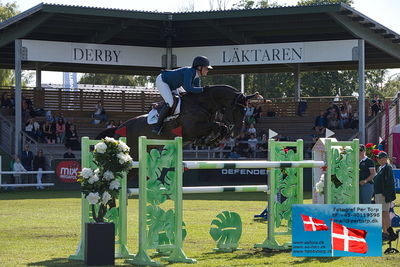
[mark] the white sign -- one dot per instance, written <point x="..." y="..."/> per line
<point x="83" y="53"/>
<point x="282" y="53"/>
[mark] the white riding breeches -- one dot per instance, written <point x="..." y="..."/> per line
<point x="165" y="91"/>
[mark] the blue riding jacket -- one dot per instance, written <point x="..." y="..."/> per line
<point x="185" y="77"/>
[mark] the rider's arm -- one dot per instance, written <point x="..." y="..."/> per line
<point x="188" y="77"/>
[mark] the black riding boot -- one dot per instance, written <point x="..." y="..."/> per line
<point x="163" y="114"/>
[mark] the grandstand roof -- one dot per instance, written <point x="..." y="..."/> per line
<point x="209" y="28"/>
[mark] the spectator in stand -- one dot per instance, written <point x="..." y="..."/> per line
<point x="385" y="192"/>
<point x="120" y="122"/>
<point x="37" y="131"/>
<point x="236" y="152"/>
<point x="376" y="105"/>
<point x="344" y="118"/>
<point x="29" y="128"/>
<point x="243" y="147"/>
<point x="257" y="113"/>
<point x="252" y="145"/>
<point x="5" y="100"/>
<point x="252" y="130"/>
<point x="302" y="107"/>
<point x="333" y="119"/>
<point x="354" y="121"/>
<point x="49" y="117"/>
<point x="111" y="124"/>
<point x="320" y="123"/>
<point x="335" y="107"/>
<point x="26" y="159"/>
<point x="72" y="138"/>
<point x="18" y="167"/>
<point x="366" y="174"/>
<point x="99" y="114"/>
<point x="39" y="163"/>
<point x="249" y="113"/>
<point x="60" y="131"/>
<point x="69" y="154"/>
<point x="48" y="133"/>
<point x="263" y="147"/>
<point x="348" y="107"/>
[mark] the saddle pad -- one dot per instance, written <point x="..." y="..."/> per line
<point x="152" y="117"/>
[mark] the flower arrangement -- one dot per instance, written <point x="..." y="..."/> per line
<point x="101" y="185"/>
<point x="372" y="152"/>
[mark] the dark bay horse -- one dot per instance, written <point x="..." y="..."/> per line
<point x="195" y="122"/>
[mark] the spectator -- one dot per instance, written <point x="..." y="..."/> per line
<point x="29" y="128"/>
<point x="335" y="107"/>
<point x="120" y="122"/>
<point x="385" y="193"/>
<point x="367" y="173"/>
<point x="333" y="122"/>
<point x="111" y="124"/>
<point x="236" y="152"/>
<point x="49" y="117"/>
<point x="301" y="108"/>
<point x="72" y="138"/>
<point x="354" y="121"/>
<point x="249" y="112"/>
<point x="99" y="114"/>
<point x="320" y="123"/>
<point x="27" y="158"/>
<point x="18" y="167"/>
<point x="39" y="163"/>
<point x="257" y="113"/>
<point x="5" y="100"/>
<point x="263" y="147"/>
<point x="243" y="147"/>
<point x="252" y="144"/>
<point x="60" y="131"/>
<point x="344" y="118"/>
<point x="36" y="130"/>
<point x="376" y="105"/>
<point x="48" y="133"/>
<point x="252" y="130"/>
<point x="348" y="107"/>
<point x="69" y="154"/>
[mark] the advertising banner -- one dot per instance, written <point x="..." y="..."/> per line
<point x="336" y="230"/>
<point x="67" y="171"/>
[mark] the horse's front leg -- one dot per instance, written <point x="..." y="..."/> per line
<point x="216" y="133"/>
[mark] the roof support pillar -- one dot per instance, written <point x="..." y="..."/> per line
<point x="38" y="76"/>
<point x="361" y="91"/>
<point x="242" y="83"/>
<point x="297" y="82"/>
<point x="18" y="98"/>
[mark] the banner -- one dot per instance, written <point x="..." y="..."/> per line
<point x="66" y="173"/>
<point x="336" y="230"/>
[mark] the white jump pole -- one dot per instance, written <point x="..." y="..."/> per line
<point x="213" y="189"/>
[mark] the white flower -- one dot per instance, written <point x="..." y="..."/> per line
<point x="110" y="140"/>
<point x="108" y="175"/>
<point x="86" y="173"/>
<point x="319" y="187"/>
<point x="93" y="198"/>
<point x="123" y="147"/>
<point x="114" y="185"/>
<point x="97" y="171"/>
<point x="128" y="158"/>
<point x="100" y="147"/>
<point x="93" y="179"/>
<point x="122" y="158"/>
<point x="106" y="197"/>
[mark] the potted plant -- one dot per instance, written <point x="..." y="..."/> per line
<point x="101" y="187"/>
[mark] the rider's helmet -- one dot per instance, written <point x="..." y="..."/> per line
<point x="201" y="61"/>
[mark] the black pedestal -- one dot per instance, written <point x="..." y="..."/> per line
<point x="99" y="244"/>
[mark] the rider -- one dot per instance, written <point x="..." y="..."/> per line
<point x="171" y="80"/>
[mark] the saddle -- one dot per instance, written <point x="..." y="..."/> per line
<point x="152" y="116"/>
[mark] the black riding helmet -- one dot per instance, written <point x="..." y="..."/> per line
<point x="201" y="61"/>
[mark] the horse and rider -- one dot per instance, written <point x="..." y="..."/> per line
<point x="196" y="121"/>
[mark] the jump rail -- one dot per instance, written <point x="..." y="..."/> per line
<point x="213" y="189"/>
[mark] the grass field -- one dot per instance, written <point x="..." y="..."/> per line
<point x="43" y="229"/>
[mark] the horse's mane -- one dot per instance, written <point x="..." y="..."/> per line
<point x="224" y="86"/>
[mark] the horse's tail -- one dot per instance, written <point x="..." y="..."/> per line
<point x="110" y="132"/>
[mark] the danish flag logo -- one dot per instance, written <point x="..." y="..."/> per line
<point x="348" y="239"/>
<point x="313" y="224"/>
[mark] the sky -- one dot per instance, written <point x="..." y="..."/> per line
<point x="385" y="12"/>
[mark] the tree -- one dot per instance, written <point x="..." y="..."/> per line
<point x="115" y="79"/>
<point x="315" y="2"/>
<point x="7" y="11"/>
<point x="218" y="4"/>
